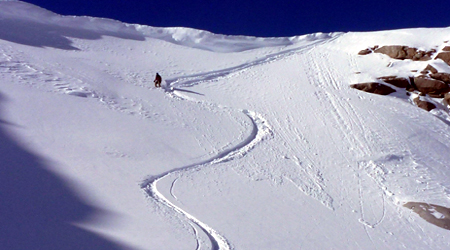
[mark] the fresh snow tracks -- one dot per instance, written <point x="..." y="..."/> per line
<point x="260" y="130"/>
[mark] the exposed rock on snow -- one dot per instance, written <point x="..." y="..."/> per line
<point x="430" y="81"/>
<point x="368" y="50"/>
<point x="423" y="104"/>
<point x="405" y="52"/>
<point x="445" y="77"/>
<point x="444" y="56"/>
<point x="399" y="82"/>
<point x="373" y="87"/>
<point x="434" y="214"/>
<point x="431" y="86"/>
<point x="429" y="69"/>
<point x="400" y="52"/>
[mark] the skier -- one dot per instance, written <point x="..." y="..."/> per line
<point x="157" y="80"/>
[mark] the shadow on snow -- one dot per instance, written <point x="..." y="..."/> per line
<point x="37" y="208"/>
<point x="47" y="35"/>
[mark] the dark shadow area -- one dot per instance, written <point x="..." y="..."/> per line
<point x="443" y="120"/>
<point x="37" y="208"/>
<point x="47" y="35"/>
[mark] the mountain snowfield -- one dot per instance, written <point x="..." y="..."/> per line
<point x="252" y="143"/>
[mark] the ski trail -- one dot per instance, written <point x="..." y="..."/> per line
<point x="171" y="189"/>
<point x="333" y="97"/>
<point x="260" y="130"/>
<point x="217" y="240"/>
<point x="197" y="237"/>
<point x="191" y="80"/>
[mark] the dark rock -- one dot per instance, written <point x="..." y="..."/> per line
<point x="424" y="104"/>
<point x="365" y="52"/>
<point x="446" y="48"/>
<point x="445" y="77"/>
<point x="429" y="69"/>
<point x="445" y="56"/>
<point x="428" y="85"/>
<point x="393" y="51"/>
<point x="368" y="50"/>
<point x="399" y="82"/>
<point x="410" y="53"/>
<point x="413" y="85"/>
<point x="436" y="95"/>
<point x="404" y="52"/>
<point x="373" y="87"/>
<point x="410" y="89"/>
<point x="422" y="56"/>
<point x="428" y="212"/>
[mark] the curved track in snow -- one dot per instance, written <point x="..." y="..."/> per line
<point x="260" y="130"/>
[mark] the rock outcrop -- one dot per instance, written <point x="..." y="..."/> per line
<point x="368" y="50"/>
<point x="445" y="77"/>
<point x="431" y="86"/>
<point x="424" y="104"/>
<point x="400" y="52"/>
<point x="373" y="87"/>
<point x="399" y="82"/>
<point x="430" y="82"/>
<point x="434" y="214"/>
<point x="429" y="69"/>
<point x="444" y="56"/>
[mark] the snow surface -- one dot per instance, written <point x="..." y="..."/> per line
<point x="252" y="143"/>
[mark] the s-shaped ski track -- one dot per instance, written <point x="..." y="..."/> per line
<point x="259" y="131"/>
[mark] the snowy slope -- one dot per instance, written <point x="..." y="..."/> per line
<point x="253" y="143"/>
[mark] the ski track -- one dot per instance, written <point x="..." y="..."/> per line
<point x="348" y="120"/>
<point x="26" y="72"/>
<point x="73" y="83"/>
<point x="260" y="131"/>
<point x="375" y="172"/>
